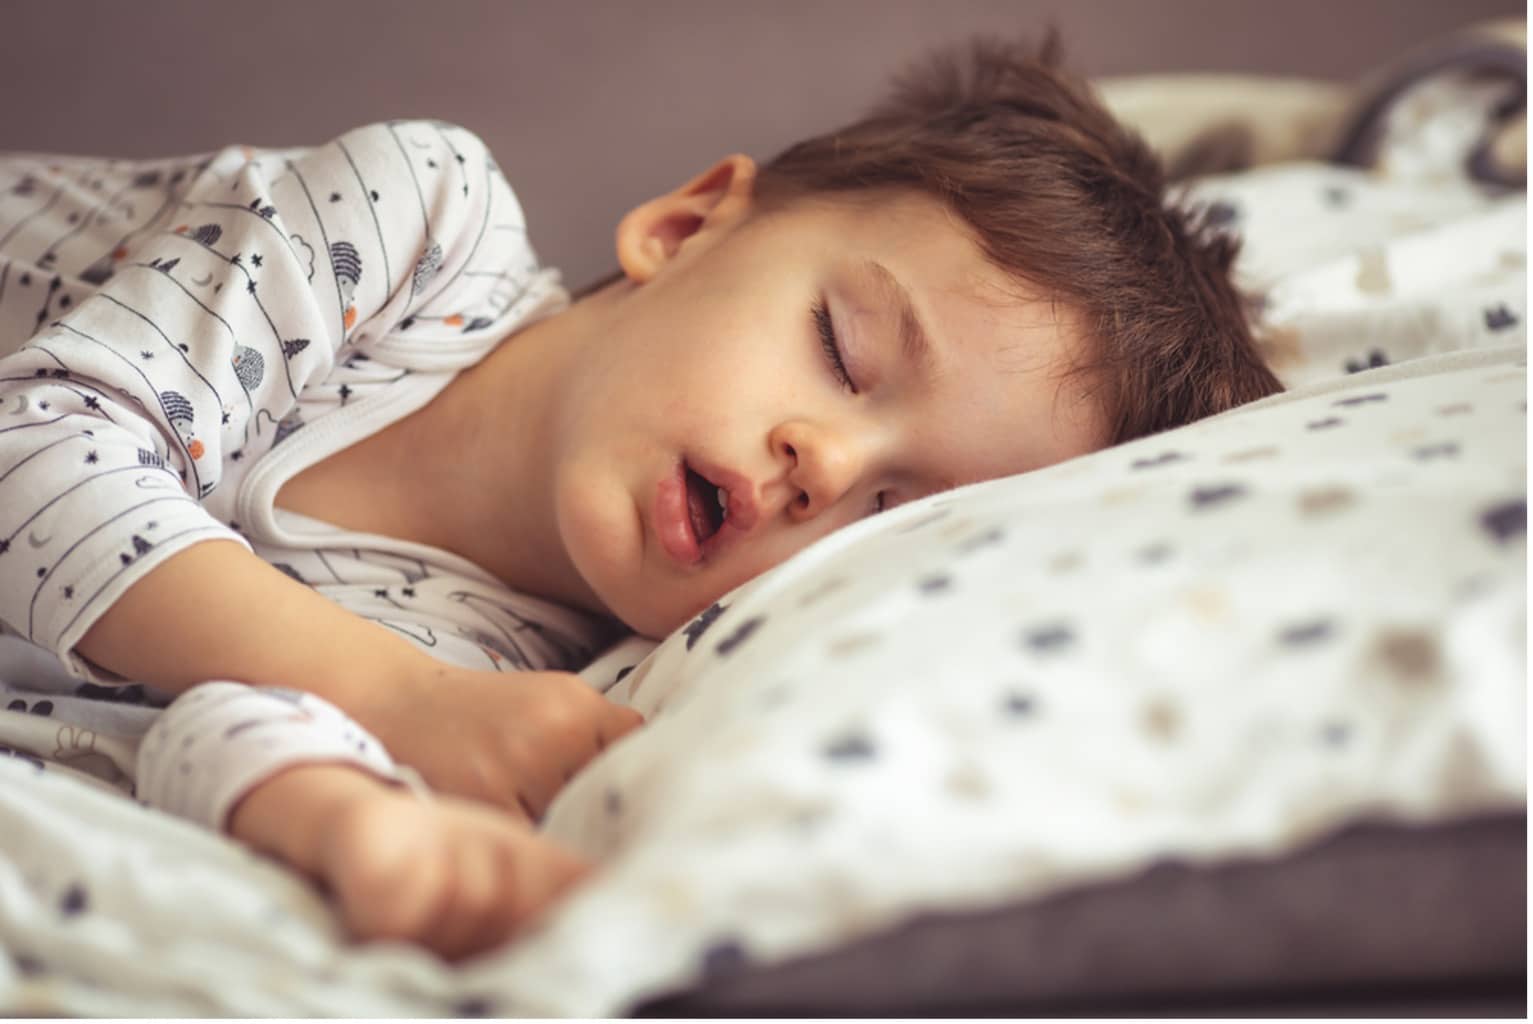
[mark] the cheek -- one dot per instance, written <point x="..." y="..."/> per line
<point x="780" y="549"/>
<point x="659" y="618"/>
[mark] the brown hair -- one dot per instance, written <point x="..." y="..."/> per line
<point x="1061" y="195"/>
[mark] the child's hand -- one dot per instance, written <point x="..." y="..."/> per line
<point x="455" y="876"/>
<point x="511" y="739"/>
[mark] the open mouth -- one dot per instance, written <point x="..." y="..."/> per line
<point x="707" y="505"/>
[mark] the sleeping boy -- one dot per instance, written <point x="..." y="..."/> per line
<point x="309" y="439"/>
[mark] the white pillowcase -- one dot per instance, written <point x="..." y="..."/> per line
<point x="1226" y="640"/>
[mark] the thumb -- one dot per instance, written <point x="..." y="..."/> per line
<point x="620" y="721"/>
<point x="547" y="878"/>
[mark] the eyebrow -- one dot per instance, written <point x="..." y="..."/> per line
<point x="915" y="343"/>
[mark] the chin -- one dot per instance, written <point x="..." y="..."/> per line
<point x="607" y="548"/>
<point x="624" y="596"/>
<point x="657" y="619"/>
<point x="656" y="624"/>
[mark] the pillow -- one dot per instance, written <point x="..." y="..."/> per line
<point x="1457" y="104"/>
<point x="1351" y="271"/>
<point x="1415" y="242"/>
<point x="1208" y="122"/>
<point x="1222" y="644"/>
<point x="1225" y="641"/>
<point x="1323" y="931"/>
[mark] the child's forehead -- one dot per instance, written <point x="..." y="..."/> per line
<point x="912" y="257"/>
<point x="1003" y="349"/>
<point x="944" y="273"/>
<point x="931" y="245"/>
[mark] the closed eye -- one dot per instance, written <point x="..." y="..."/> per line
<point x="831" y="344"/>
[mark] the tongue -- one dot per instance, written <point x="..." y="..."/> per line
<point x="697" y="507"/>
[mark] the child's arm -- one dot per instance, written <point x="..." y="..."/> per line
<point x="216" y="610"/>
<point x="293" y="776"/>
<point x="454" y="876"/>
<point x="510" y="739"/>
<point x="128" y="417"/>
<point x="181" y="357"/>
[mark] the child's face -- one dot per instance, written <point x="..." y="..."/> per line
<point x="711" y="359"/>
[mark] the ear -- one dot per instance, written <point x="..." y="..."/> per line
<point x="650" y="235"/>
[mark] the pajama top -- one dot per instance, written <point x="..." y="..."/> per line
<point x="179" y="337"/>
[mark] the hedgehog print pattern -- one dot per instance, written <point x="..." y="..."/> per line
<point x="249" y="367"/>
<point x="347" y="265"/>
<point x="426" y="268"/>
<point x="181" y="415"/>
<point x="177" y="409"/>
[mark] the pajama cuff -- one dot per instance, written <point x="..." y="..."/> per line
<point x="218" y="740"/>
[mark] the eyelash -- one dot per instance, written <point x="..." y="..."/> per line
<point x="832" y="346"/>
<point x="828" y="341"/>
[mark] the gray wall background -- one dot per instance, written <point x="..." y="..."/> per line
<point x="591" y="107"/>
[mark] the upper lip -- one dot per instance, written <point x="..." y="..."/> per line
<point x="742" y="510"/>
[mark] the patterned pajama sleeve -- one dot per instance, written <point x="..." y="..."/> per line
<point x="127" y="418"/>
<point x="219" y="739"/>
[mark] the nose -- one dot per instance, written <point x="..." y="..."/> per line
<point x="819" y="465"/>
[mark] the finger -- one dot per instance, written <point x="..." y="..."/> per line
<point x="517" y="848"/>
<point x="619" y="722"/>
<point x="512" y="780"/>
<point x="393" y="904"/>
<point x="491" y="779"/>
<point x="434" y="927"/>
<point x="578" y="754"/>
<point x="510" y="803"/>
<point x="612" y="723"/>
<point x="536" y="788"/>
<point x="529" y="874"/>
<point x="466" y="926"/>
<point x="544" y="873"/>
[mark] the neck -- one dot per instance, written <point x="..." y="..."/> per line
<point x="492" y="500"/>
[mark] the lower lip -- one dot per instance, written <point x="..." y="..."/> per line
<point x="672" y="523"/>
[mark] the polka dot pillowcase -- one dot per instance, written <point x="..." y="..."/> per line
<point x="1226" y="640"/>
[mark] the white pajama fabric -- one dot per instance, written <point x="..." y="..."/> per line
<point x="219" y="740"/>
<point x="180" y="337"/>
